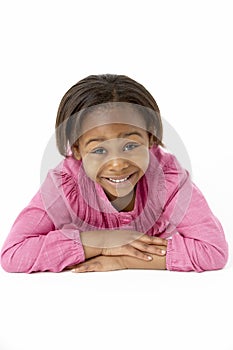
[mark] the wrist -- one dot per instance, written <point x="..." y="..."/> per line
<point x="90" y="248"/>
<point x="123" y="261"/>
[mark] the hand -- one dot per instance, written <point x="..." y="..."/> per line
<point x="139" y="248"/>
<point x="122" y="242"/>
<point x="100" y="264"/>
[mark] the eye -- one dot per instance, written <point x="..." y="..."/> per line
<point x="99" y="150"/>
<point x="130" y="146"/>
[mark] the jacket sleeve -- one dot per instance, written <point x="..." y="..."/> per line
<point x="36" y="242"/>
<point x="197" y="242"/>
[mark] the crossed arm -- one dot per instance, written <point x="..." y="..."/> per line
<point x="134" y="256"/>
<point x="110" y="263"/>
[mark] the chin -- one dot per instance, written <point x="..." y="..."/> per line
<point x="120" y="195"/>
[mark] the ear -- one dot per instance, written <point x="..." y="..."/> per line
<point x="151" y="140"/>
<point x="76" y="152"/>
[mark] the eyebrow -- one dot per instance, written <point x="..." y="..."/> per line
<point x="125" y="134"/>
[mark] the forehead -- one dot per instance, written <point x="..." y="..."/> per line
<point x="111" y="131"/>
<point x="117" y="118"/>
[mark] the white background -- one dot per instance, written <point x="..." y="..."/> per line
<point x="181" y="51"/>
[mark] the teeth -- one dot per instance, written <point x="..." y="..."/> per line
<point x="122" y="180"/>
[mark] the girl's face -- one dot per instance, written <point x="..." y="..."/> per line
<point x="114" y="154"/>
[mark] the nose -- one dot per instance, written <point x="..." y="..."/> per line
<point x="117" y="164"/>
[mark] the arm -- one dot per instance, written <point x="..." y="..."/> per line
<point x="129" y="256"/>
<point x="34" y="244"/>
<point x="43" y="237"/>
<point x="198" y="243"/>
<point x="104" y="263"/>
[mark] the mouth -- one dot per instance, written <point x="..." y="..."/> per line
<point x="119" y="179"/>
<point x="116" y="180"/>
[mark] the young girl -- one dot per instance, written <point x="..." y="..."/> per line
<point x="117" y="200"/>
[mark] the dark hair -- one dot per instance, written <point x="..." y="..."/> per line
<point x="99" y="89"/>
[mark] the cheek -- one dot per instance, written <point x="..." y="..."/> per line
<point x="141" y="158"/>
<point x="91" y="166"/>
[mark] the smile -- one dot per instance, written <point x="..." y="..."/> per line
<point x="117" y="181"/>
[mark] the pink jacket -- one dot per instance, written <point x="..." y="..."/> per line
<point x="45" y="235"/>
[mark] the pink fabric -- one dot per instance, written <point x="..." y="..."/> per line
<point x="45" y="235"/>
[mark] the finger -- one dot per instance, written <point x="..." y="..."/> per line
<point x="126" y="250"/>
<point x="152" y="240"/>
<point x="136" y="253"/>
<point x="79" y="269"/>
<point x="149" y="248"/>
<point x="86" y="267"/>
